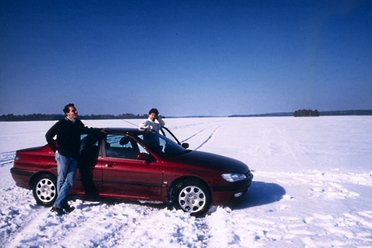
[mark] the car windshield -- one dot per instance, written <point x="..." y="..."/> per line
<point x="165" y="132"/>
<point x="161" y="145"/>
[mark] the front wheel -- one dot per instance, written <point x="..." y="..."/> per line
<point x="192" y="196"/>
<point x="45" y="190"/>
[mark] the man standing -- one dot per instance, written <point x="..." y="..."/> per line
<point x="153" y="123"/>
<point x="67" y="149"/>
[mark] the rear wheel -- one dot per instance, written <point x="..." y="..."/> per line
<point x="45" y="190"/>
<point x="192" y="196"/>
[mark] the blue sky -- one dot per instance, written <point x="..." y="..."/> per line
<point x="185" y="57"/>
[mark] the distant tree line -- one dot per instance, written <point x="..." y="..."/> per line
<point x="51" y="117"/>
<point x="306" y="112"/>
<point x="297" y="113"/>
<point x="347" y="112"/>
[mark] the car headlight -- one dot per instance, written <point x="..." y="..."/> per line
<point x="233" y="177"/>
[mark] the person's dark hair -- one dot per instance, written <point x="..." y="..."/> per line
<point x="154" y="110"/>
<point x="66" y="109"/>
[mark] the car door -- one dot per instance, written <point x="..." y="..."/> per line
<point x="125" y="176"/>
<point x="89" y="173"/>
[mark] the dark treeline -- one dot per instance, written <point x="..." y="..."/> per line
<point x="51" y="117"/>
<point x="347" y="112"/>
<point x="309" y="112"/>
<point x="306" y="113"/>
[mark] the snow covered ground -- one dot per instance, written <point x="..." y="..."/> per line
<point x="312" y="188"/>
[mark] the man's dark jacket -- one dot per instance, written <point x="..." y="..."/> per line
<point x="68" y="137"/>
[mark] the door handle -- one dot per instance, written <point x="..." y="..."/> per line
<point x="108" y="165"/>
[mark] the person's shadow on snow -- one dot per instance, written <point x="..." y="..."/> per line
<point x="260" y="193"/>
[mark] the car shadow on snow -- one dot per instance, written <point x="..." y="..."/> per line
<point x="260" y="193"/>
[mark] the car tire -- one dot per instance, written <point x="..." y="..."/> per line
<point x="44" y="190"/>
<point x="192" y="196"/>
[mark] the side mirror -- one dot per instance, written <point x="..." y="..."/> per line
<point x="185" y="145"/>
<point x="144" y="156"/>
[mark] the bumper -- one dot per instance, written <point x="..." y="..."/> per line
<point x="231" y="191"/>
<point x="21" y="178"/>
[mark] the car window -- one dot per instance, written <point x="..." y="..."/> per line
<point x="165" y="132"/>
<point x="89" y="140"/>
<point x="161" y="145"/>
<point x="90" y="146"/>
<point x="121" y="146"/>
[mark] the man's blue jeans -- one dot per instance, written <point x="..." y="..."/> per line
<point x="66" y="173"/>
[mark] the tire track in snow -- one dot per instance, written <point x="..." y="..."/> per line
<point x="222" y="231"/>
<point x="6" y="158"/>
<point x="123" y="221"/>
<point x="17" y="216"/>
<point x="94" y="224"/>
<point x="206" y="141"/>
<point x="192" y="136"/>
<point x="165" y="228"/>
<point x="28" y="222"/>
<point x="100" y="225"/>
<point x="90" y="225"/>
<point x="204" y="231"/>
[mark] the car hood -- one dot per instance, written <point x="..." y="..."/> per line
<point x="213" y="161"/>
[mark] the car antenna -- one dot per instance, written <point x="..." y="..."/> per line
<point x="129" y="122"/>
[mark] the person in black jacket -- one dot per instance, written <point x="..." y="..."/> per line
<point x="67" y="149"/>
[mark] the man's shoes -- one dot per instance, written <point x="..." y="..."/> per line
<point x="68" y="208"/>
<point x="59" y="211"/>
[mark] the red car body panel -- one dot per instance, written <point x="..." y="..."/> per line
<point x="140" y="179"/>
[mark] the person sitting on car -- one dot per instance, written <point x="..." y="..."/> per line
<point x="153" y="123"/>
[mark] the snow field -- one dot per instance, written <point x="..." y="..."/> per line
<point x="312" y="188"/>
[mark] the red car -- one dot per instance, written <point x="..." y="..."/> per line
<point x="130" y="164"/>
